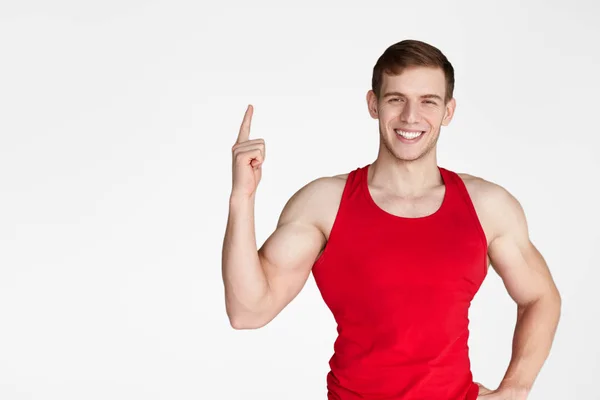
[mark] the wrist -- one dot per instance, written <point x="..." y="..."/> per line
<point x="241" y="200"/>
<point x="515" y="390"/>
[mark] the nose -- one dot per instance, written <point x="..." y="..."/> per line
<point x="410" y="113"/>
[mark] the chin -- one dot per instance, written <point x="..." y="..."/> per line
<point x="408" y="158"/>
<point x="412" y="155"/>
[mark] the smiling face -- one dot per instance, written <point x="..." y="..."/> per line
<point x="411" y="111"/>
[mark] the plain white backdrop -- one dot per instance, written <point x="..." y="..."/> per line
<point x="116" y="125"/>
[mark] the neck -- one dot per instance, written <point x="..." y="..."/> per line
<point x="405" y="178"/>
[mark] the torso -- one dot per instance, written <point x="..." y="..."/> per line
<point x="399" y="275"/>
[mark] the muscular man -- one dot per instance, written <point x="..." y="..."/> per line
<point x="398" y="250"/>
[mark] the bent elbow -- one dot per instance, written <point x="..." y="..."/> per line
<point x="246" y="323"/>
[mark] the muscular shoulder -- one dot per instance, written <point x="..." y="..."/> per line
<point x="497" y="209"/>
<point x="481" y="190"/>
<point x="316" y="203"/>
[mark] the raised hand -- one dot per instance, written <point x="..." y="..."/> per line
<point x="248" y="158"/>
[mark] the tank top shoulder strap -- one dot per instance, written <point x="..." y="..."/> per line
<point x="457" y="185"/>
<point x="351" y="188"/>
<point x="353" y="180"/>
<point x="346" y="208"/>
<point x="452" y="194"/>
<point x="463" y="200"/>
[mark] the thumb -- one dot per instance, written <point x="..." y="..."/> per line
<point x="256" y="164"/>
<point x="483" y="390"/>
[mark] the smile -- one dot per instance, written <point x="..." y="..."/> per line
<point x="408" y="135"/>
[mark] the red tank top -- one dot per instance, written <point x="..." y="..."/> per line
<point x="400" y="289"/>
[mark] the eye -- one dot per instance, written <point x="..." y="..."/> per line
<point x="430" y="102"/>
<point x="396" y="99"/>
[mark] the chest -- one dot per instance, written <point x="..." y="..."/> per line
<point x="375" y="271"/>
<point x="445" y="253"/>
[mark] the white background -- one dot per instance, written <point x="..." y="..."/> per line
<point x="116" y="125"/>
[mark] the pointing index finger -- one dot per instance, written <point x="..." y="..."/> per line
<point x="244" y="133"/>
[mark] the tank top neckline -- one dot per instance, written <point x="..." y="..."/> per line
<point x="364" y="186"/>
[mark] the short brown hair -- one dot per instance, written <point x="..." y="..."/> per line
<point x="412" y="53"/>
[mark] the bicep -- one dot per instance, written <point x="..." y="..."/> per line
<point x="522" y="268"/>
<point x="515" y="258"/>
<point x="287" y="257"/>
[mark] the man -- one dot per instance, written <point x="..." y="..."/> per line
<point x="398" y="249"/>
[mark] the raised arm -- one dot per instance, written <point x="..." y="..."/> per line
<point x="260" y="283"/>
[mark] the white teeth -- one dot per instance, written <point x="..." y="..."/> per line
<point x="408" y="135"/>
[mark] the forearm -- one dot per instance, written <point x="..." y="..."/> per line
<point x="533" y="336"/>
<point x="246" y="285"/>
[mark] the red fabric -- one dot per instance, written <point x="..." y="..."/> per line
<point x="400" y="290"/>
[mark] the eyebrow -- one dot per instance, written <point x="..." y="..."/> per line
<point x="425" y="96"/>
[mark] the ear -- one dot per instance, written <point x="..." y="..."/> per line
<point x="372" y="104"/>
<point x="450" y="107"/>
